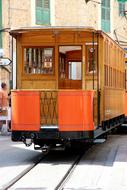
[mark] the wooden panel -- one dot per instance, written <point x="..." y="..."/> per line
<point x="70" y="84"/>
<point x="75" y="55"/>
<point x="66" y="38"/>
<point x="114" y="102"/>
<point x="27" y="84"/>
<point x="38" y="39"/>
<point x="84" y="37"/>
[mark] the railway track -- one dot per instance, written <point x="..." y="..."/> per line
<point x="64" y="177"/>
<point x="61" y="170"/>
<point x="68" y="174"/>
<point x="22" y="174"/>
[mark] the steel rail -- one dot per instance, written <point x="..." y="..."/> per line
<point x="23" y="173"/>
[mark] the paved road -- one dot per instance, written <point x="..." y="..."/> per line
<point x="104" y="167"/>
<point x="14" y="158"/>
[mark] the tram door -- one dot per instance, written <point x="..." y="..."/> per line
<point x="70" y="67"/>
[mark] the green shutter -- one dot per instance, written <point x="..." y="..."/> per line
<point x="122" y="0"/>
<point x="121" y="8"/>
<point x="105" y="15"/>
<point x="0" y="23"/>
<point x="43" y="12"/>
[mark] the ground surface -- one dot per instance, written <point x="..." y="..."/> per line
<point x="103" y="167"/>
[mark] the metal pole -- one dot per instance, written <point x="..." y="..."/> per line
<point x="93" y="58"/>
<point x="12" y="61"/>
<point x="98" y="82"/>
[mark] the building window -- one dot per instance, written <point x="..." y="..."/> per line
<point x="38" y="60"/>
<point x="105" y="15"/>
<point x="0" y="23"/>
<point x="42" y="12"/>
<point x="121" y="8"/>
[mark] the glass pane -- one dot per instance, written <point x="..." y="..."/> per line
<point x="75" y="70"/>
<point x="38" y="60"/>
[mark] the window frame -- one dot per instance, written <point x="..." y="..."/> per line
<point x="71" y="60"/>
<point x="33" y="76"/>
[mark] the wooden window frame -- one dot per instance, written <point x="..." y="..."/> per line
<point x="32" y="76"/>
<point x="73" y="60"/>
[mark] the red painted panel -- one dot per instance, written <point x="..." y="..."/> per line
<point x="25" y="111"/>
<point x="126" y="104"/>
<point x="75" y="110"/>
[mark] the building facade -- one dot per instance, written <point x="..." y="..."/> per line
<point x="107" y="15"/>
<point x="13" y="13"/>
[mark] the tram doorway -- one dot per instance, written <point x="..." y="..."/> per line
<point x="70" y="67"/>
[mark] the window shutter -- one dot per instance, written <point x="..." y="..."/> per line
<point x="105" y="15"/>
<point x="0" y="23"/>
<point x="43" y="12"/>
<point x="121" y="8"/>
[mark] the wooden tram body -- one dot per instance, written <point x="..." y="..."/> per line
<point x="70" y="85"/>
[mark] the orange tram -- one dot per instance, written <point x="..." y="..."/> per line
<point x="70" y="85"/>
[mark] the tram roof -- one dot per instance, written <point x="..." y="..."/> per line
<point x="21" y="30"/>
<point x="16" y="31"/>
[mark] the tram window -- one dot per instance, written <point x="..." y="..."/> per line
<point x="70" y="62"/>
<point x="91" y="59"/>
<point x="38" y="60"/>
